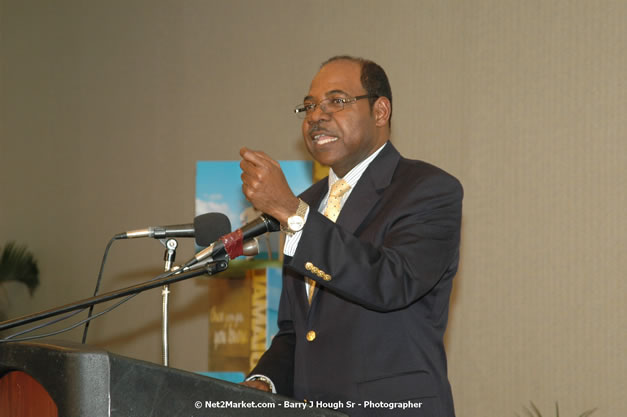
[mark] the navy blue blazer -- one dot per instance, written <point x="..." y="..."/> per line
<point x="373" y="334"/>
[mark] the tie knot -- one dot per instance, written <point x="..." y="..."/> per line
<point x="339" y="188"/>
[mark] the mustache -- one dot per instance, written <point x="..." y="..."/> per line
<point x="317" y="128"/>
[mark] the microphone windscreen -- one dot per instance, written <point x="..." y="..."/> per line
<point x="210" y="227"/>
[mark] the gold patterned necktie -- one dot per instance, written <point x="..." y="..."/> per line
<point x="331" y="211"/>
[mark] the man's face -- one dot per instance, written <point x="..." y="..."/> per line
<point x="345" y="138"/>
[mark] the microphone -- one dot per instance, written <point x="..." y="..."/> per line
<point x="210" y="226"/>
<point x="234" y="244"/>
<point x="249" y="248"/>
<point x="206" y="228"/>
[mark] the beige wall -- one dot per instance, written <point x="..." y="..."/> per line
<point x="106" y="106"/>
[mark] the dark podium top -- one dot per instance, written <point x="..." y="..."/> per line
<point x="85" y="381"/>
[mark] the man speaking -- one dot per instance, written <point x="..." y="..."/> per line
<point x="371" y="252"/>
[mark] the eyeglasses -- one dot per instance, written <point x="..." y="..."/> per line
<point x="328" y="105"/>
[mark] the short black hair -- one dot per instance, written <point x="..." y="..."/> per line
<point x="373" y="79"/>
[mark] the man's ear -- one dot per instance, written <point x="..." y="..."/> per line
<point x="382" y="110"/>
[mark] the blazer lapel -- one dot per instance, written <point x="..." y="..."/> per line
<point x="368" y="190"/>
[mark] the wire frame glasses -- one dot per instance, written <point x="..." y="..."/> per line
<point x="328" y="105"/>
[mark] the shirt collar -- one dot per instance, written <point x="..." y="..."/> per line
<point x="353" y="176"/>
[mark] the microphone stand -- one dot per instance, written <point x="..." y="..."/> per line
<point x="169" y="256"/>
<point x="211" y="268"/>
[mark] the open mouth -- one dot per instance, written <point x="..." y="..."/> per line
<point x="323" y="139"/>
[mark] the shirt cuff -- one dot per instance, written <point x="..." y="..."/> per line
<point x="264" y="379"/>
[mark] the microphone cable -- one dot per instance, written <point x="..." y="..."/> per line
<point x="67" y="316"/>
<point x="71" y="314"/>
<point x="102" y="264"/>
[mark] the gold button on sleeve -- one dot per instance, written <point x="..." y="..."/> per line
<point x="327" y="277"/>
<point x="320" y="273"/>
<point x="309" y="266"/>
<point x="311" y="336"/>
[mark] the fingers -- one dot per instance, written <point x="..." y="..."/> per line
<point x="257" y="384"/>
<point x="258" y="158"/>
<point x="256" y="166"/>
<point x="247" y="167"/>
<point x="255" y="157"/>
<point x="253" y="175"/>
<point x="264" y="185"/>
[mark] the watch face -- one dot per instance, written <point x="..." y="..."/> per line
<point x="295" y="223"/>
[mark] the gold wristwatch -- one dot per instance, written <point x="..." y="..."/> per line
<point x="296" y="222"/>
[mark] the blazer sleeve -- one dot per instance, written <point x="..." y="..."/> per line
<point x="409" y="243"/>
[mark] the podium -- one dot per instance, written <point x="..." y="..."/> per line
<point x="74" y="380"/>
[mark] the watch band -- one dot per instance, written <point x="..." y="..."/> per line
<point x="302" y="208"/>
